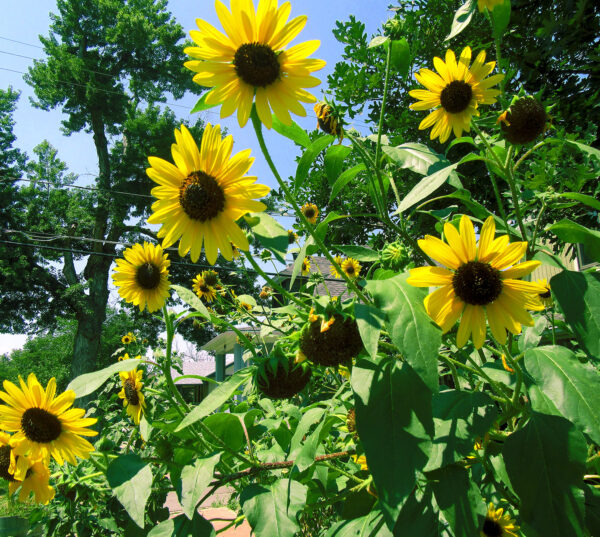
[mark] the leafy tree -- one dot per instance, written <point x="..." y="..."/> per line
<point x="109" y="65"/>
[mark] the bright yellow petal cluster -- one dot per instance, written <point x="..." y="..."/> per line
<point x="203" y="290"/>
<point x="477" y="280"/>
<point x="132" y="395"/>
<point x="143" y="276"/>
<point x="44" y="425"/>
<point x="455" y="93"/>
<point x="201" y="197"/>
<point x="249" y="62"/>
<point x="498" y="524"/>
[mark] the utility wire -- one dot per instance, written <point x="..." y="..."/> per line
<point x="109" y="191"/>
<point x="115" y="256"/>
<point x="118" y="93"/>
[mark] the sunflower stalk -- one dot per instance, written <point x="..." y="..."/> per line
<point x="289" y="196"/>
<point x="518" y="372"/>
<point x="388" y="61"/>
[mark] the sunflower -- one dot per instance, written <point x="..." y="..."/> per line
<point x="546" y="293"/>
<point x="203" y="290"/>
<point x="361" y="460"/>
<point x="311" y="212"/>
<point x="351" y="268"/>
<point x="497" y="524"/>
<point x="328" y="120"/>
<point x="11" y="468"/>
<point x="523" y="121"/>
<point x="210" y="277"/>
<point x="201" y="197"/>
<point x="455" y="93"/>
<point x="235" y="251"/>
<point x="127" y="357"/>
<point x="478" y="280"/>
<point x="128" y="338"/>
<point x="43" y="424"/>
<point x="292" y="236"/>
<point x="131" y="393"/>
<point x="36" y="480"/>
<point x="490" y="4"/>
<point x="143" y="276"/>
<point x="305" y="269"/>
<point x="334" y="272"/>
<point x="249" y="63"/>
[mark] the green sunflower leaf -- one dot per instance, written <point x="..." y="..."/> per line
<point x="131" y="480"/>
<point x="202" y="105"/>
<point x="582" y="198"/>
<point x="462" y="18"/>
<point x="458" y="498"/>
<point x="460" y="417"/>
<point x="569" y="384"/>
<point x="89" y="382"/>
<point x="294" y="132"/>
<point x="181" y="526"/>
<point x="217" y="397"/>
<point x="194" y="481"/>
<point x="545" y="461"/>
<point x="271" y="234"/>
<point x="410" y="327"/>
<point x="371" y="525"/>
<point x="425" y="187"/>
<point x="190" y="298"/>
<point x="395" y="424"/>
<point x="578" y="295"/>
<point x="334" y="160"/>
<point x="344" y="178"/>
<point x="370" y="321"/>
<point x="272" y="510"/>
<point x="500" y="16"/>
<point x="572" y="232"/>
<point x="360" y="253"/>
<point x="309" y="156"/>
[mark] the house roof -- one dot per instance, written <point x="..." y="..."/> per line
<point x="320" y="265"/>
<point x="225" y="342"/>
<point x="204" y="368"/>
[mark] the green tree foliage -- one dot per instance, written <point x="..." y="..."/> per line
<point x="108" y="67"/>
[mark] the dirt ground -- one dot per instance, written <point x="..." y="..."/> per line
<point x="219" y="516"/>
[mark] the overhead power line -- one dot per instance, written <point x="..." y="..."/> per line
<point x="176" y="263"/>
<point x="109" y="191"/>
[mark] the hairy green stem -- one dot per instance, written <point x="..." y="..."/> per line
<point x="292" y="200"/>
<point x="513" y="190"/>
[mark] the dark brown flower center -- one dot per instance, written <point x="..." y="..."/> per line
<point x="350" y="270"/>
<point x="5" y="463"/>
<point x="210" y="278"/>
<point x="309" y="212"/>
<point x="456" y="96"/>
<point x="201" y="197"/>
<point x="546" y="294"/>
<point x="477" y="283"/>
<point x="131" y="393"/>
<point x="256" y="64"/>
<point x="148" y="276"/>
<point x="491" y="528"/>
<point x="41" y="426"/>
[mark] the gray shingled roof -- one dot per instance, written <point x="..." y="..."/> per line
<point x="321" y="265"/>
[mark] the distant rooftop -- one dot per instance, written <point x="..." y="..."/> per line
<point x="320" y="265"/>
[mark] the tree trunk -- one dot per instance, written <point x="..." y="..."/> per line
<point x="90" y="319"/>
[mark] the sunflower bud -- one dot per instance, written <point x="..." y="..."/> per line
<point x="335" y="346"/>
<point x="394" y="256"/>
<point x="524" y="121"/>
<point x="280" y="376"/>
<point x="328" y="120"/>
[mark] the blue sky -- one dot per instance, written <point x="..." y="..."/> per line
<point x="25" y="21"/>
